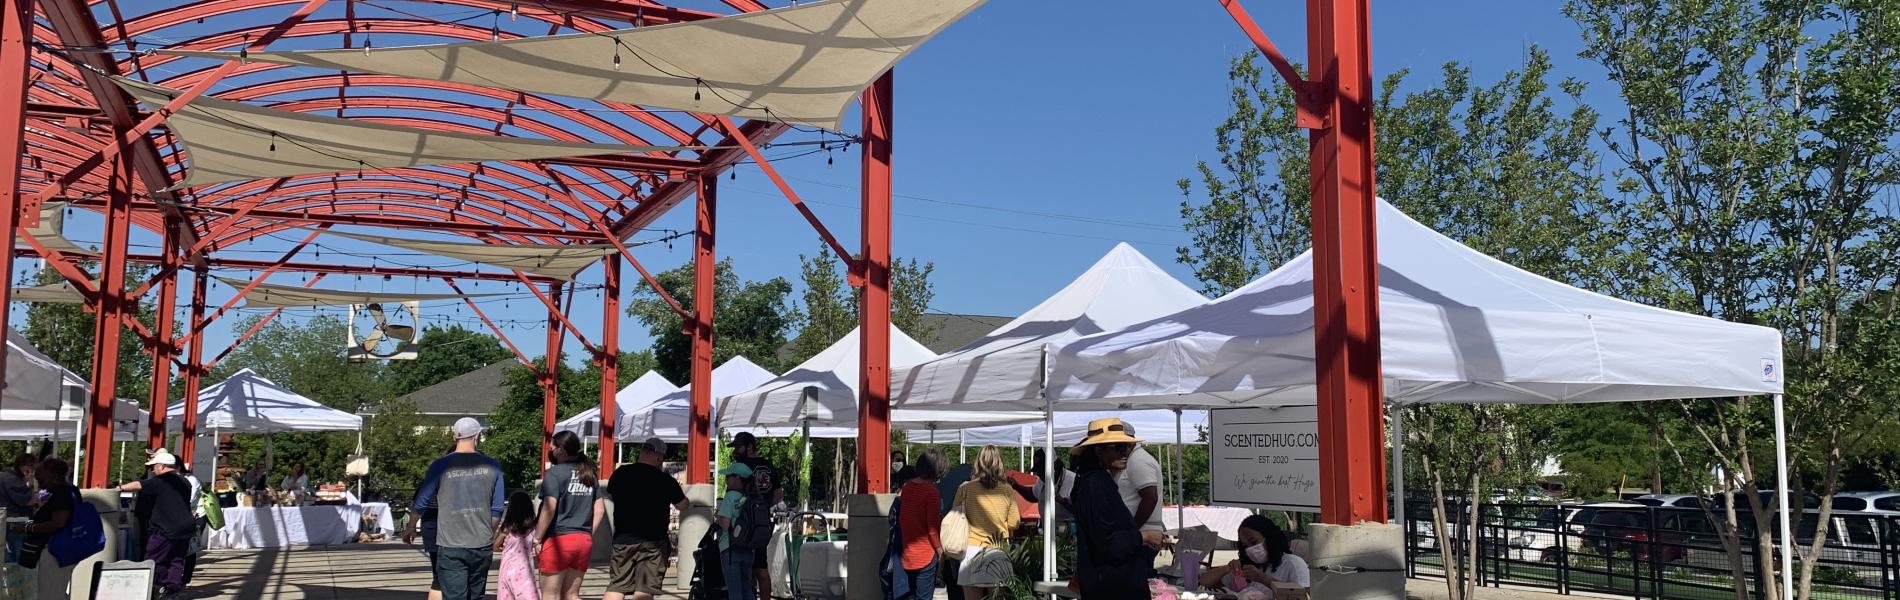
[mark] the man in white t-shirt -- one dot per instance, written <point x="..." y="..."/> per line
<point x="1140" y="487"/>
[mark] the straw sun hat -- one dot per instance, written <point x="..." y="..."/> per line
<point x="1105" y="431"/>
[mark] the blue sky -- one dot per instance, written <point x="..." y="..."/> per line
<point x="1032" y="136"/>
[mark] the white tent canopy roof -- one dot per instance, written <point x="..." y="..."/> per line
<point x="249" y="403"/>
<point x="650" y="386"/>
<point x="35" y="382"/>
<point x="1455" y="326"/>
<point x="823" y="391"/>
<point x="1121" y="289"/>
<point x="63" y="423"/>
<point x="231" y="141"/>
<point x="1153" y="426"/>
<point x="803" y="64"/>
<point x="668" y="418"/>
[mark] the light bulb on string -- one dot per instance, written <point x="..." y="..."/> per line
<point x="273" y="141"/>
<point x="616" y="54"/>
<point x="514" y="10"/>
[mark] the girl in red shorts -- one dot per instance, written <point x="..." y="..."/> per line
<point x="570" y="505"/>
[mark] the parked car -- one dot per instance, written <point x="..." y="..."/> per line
<point x="1635" y="532"/>
<point x="1882" y="503"/>
<point x="1547" y="536"/>
<point x="1669" y="500"/>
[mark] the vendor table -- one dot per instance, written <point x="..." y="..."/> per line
<point x="277" y="526"/>
<point x="1224" y="521"/>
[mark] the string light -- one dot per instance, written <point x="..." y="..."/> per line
<point x="616" y="53"/>
<point x="494" y="28"/>
<point x="514" y="10"/>
<point x="273" y="141"/>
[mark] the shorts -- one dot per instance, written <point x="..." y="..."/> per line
<point x="984" y="568"/>
<point x="759" y="562"/>
<point x="566" y="552"/>
<point x="637" y="568"/>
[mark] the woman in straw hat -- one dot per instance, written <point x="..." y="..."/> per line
<point x="1110" y="545"/>
<point x="989" y="504"/>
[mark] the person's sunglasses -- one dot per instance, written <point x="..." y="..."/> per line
<point x="1122" y="448"/>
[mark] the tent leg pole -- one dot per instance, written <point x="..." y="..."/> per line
<point x="963" y="450"/>
<point x="1049" y="474"/>
<point x="1180" y="479"/>
<point x="1398" y="463"/>
<point x="1781" y="488"/>
<point x="804" y="466"/>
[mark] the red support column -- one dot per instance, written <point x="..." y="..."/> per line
<point x="874" y="308"/>
<point x="166" y="348"/>
<point x="1345" y="266"/>
<point x="699" y="439"/>
<point x="194" y="374"/>
<point x="16" y="38"/>
<point x="551" y="376"/>
<point x="609" y="358"/>
<point x="109" y="325"/>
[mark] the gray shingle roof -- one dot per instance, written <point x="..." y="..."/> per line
<point x="473" y="393"/>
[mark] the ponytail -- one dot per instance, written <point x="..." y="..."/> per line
<point x="584" y="467"/>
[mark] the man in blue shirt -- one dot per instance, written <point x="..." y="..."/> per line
<point x="467" y="491"/>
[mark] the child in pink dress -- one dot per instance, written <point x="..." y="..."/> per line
<point x="515" y="542"/>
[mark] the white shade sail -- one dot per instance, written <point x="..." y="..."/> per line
<point x="35" y="382"/>
<point x="1454" y="326"/>
<point x="52" y="293"/>
<point x="557" y="261"/>
<point x="1006" y="366"/>
<point x="267" y="295"/>
<point x="650" y="386"/>
<point x="803" y="64"/>
<point x="823" y="391"/>
<point x="50" y="232"/>
<point x="231" y="141"/>
<point x="249" y="403"/>
<point x="669" y="418"/>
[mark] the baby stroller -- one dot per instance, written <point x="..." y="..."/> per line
<point x="709" y="580"/>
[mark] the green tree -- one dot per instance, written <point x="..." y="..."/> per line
<point x="445" y="353"/>
<point x="1253" y="209"/>
<point x="831" y="308"/>
<point x="1756" y="152"/>
<point x="400" y="444"/>
<point x="306" y="358"/>
<point x="514" y="427"/>
<point x="751" y="319"/>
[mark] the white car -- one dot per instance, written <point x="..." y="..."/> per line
<point x="1879" y="503"/>
<point x="1669" y="500"/>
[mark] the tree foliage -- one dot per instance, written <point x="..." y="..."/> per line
<point x="831" y="306"/>
<point x="445" y="353"/>
<point x="65" y="332"/>
<point x="750" y="318"/>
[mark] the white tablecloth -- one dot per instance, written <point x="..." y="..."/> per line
<point x="276" y="526"/>
<point x="1223" y="520"/>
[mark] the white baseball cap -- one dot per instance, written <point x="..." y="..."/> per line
<point x="467" y="427"/>
<point x="162" y="457"/>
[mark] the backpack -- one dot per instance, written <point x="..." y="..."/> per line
<point x="753" y="528"/>
<point x="214" y="512"/>
<point x="84" y="535"/>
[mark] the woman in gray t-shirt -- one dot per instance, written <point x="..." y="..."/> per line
<point x="570" y="505"/>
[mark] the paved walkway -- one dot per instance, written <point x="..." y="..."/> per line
<point x="391" y="571"/>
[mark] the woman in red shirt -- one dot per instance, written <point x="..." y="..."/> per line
<point x="918" y="517"/>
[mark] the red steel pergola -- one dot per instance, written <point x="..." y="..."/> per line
<point x="71" y="135"/>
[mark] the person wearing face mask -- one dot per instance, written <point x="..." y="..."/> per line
<point x="1266" y="559"/>
<point x="1110" y="545"/>
<point x="900" y="473"/>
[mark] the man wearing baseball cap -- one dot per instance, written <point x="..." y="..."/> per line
<point x="642" y="495"/>
<point x="745" y="450"/>
<point x="468" y="494"/>
<point x="166" y="497"/>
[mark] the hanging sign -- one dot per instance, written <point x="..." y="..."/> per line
<point x="1265" y="457"/>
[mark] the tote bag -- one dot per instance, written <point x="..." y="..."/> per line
<point x="955" y="529"/>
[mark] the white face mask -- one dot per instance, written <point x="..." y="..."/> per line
<point x="1257" y="553"/>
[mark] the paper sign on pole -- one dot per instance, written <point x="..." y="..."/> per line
<point x="1265" y="457"/>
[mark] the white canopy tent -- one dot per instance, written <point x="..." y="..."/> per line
<point x="668" y="417"/>
<point x="1071" y="427"/>
<point x="1005" y="368"/>
<point x="823" y="392"/>
<point x="1455" y="326"/>
<point x="128" y="421"/>
<point x="35" y="381"/>
<point x="649" y="387"/>
<point x="248" y="403"/>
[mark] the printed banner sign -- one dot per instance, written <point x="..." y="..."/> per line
<point x="1265" y="457"/>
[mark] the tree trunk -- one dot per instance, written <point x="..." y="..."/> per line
<point x="1472" y="528"/>
<point x="1446" y="553"/>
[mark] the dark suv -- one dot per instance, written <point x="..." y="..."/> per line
<point x="1612" y="531"/>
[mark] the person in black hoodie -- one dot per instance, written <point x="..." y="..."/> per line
<point x="1109" y="544"/>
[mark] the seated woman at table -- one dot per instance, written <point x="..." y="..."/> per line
<point x="1265" y="558"/>
<point x="297" y="483"/>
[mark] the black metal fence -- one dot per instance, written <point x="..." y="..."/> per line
<point x="1651" y="552"/>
